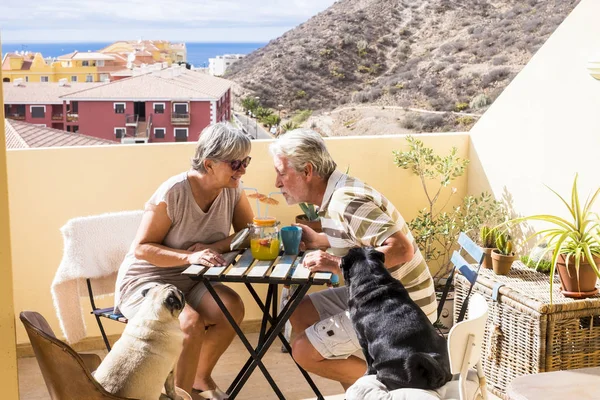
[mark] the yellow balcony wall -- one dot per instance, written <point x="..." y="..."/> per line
<point x="49" y="186"/>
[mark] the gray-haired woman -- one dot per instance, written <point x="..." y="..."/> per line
<point x="188" y="221"/>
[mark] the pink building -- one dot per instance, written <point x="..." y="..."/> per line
<point x="168" y="105"/>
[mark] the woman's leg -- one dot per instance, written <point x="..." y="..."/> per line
<point x="219" y="333"/>
<point x="193" y="327"/>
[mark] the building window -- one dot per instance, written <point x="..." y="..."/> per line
<point x="100" y="63"/>
<point x="159" y="133"/>
<point x="74" y="78"/>
<point x="44" y="79"/>
<point x="159" y="108"/>
<point x="180" y="108"/>
<point x="85" y="63"/>
<point x="89" y="78"/>
<point x="75" y="128"/>
<point x="104" y="78"/>
<point x="74" y="107"/>
<point x="26" y="79"/>
<point x="181" y="134"/>
<point x="38" y="111"/>
<point x="119" y="108"/>
<point x="119" y="132"/>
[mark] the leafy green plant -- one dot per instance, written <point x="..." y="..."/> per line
<point x="289" y="126"/>
<point x="487" y="236"/>
<point x="310" y="211"/>
<point x="540" y="265"/>
<point x="576" y="238"/>
<point x="461" y="106"/>
<point x="250" y="103"/>
<point x="436" y="228"/>
<point x="503" y="244"/>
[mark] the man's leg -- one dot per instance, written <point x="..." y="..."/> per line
<point x="345" y="371"/>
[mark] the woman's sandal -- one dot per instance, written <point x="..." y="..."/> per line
<point x="216" y="394"/>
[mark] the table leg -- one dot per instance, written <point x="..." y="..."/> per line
<point x="233" y="391"/>
<point x="293" y="303"/>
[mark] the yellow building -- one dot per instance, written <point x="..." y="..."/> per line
<point x="75" y="67"/>
<point x="91" y="66"/>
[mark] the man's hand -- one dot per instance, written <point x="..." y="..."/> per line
<point x="311" y="239"/>
<point x="321" y="261"/>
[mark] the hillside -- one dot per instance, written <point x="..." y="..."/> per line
<point x="443" y="55"/>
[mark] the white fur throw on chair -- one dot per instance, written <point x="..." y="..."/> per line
<point x="94" y="248"/>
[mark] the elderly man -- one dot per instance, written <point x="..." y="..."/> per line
<point x="352" y="214"/>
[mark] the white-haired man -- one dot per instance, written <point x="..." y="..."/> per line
<point x="352" y="214"/>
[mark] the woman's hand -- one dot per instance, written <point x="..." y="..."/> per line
<point x="321" y="261"/>
<point x="206" y="257"/>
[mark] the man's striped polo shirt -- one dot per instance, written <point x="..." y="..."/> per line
<point x="354" y="214"/>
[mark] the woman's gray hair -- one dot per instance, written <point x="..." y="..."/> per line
<point x="304" y="146"/>
<point x="221" y="142"/>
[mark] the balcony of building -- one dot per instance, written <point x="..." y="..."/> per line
<point x="57" y="112"/>
<point x="15" y="111"/>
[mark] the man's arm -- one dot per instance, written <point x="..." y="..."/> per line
<point x="397" y="249"/>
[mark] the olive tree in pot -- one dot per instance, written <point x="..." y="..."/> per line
<point x="574" y="243"/>
<point x="437" y="226"/>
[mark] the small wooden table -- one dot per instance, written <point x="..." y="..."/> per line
<point x="576" y="384"/>
<point x="243" y="268"/>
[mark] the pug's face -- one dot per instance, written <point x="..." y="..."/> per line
<point x="165" y="299"/>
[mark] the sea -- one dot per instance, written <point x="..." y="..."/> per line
<point x="197" y="53"/>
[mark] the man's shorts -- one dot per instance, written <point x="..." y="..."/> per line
<point x="333" y="336"/>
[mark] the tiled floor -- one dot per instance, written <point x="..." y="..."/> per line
<point x="280" y="365"/>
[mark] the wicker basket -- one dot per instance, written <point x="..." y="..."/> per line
<point x="525" y="334"/>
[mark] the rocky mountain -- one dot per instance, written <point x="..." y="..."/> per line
<point x="444" y="55"/>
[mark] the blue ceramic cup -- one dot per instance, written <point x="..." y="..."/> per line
<point x="291" y="237"/>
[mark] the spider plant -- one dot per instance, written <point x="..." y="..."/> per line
<point x="576" y="238"/>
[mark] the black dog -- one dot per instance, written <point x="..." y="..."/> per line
<point x="400" y="344"/>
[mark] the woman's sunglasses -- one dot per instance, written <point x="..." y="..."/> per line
<point x="237" y="164"/>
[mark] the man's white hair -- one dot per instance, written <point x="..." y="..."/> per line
<point x="302" y="147"/>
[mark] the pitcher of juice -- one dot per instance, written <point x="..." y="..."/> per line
<point x="264" y="238"/>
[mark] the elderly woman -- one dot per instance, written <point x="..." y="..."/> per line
<point x="187" y="221"/>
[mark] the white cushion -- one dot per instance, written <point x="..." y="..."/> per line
<point x="369" y="388"/>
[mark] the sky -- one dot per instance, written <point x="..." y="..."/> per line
<point x="36" y="21"/>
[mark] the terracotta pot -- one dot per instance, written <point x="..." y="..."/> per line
<point x="315" y="225"/>
<point x="487" y="260"/>
<point x="573" y="285"/>
<point x="501" y="263"/>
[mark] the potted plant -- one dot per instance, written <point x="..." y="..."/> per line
<point x="574" y="243"/>
<point x="310" y="217"/>
<point x="503" y="255"/>
<point x="487" y="237"/>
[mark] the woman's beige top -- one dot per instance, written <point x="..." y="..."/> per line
<point x="190" y="225"/>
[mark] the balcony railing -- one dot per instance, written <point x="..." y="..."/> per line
<point x="180" y="119"/>
<point x="16" y="116"/>
<point x="71" y="117"/>
<point x="57" y="116"/>
<point x="131" y="119"/>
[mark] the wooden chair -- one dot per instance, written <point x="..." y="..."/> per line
<point x="67" y="374"/>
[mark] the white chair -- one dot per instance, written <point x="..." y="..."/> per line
<point x="464" y="348"/>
